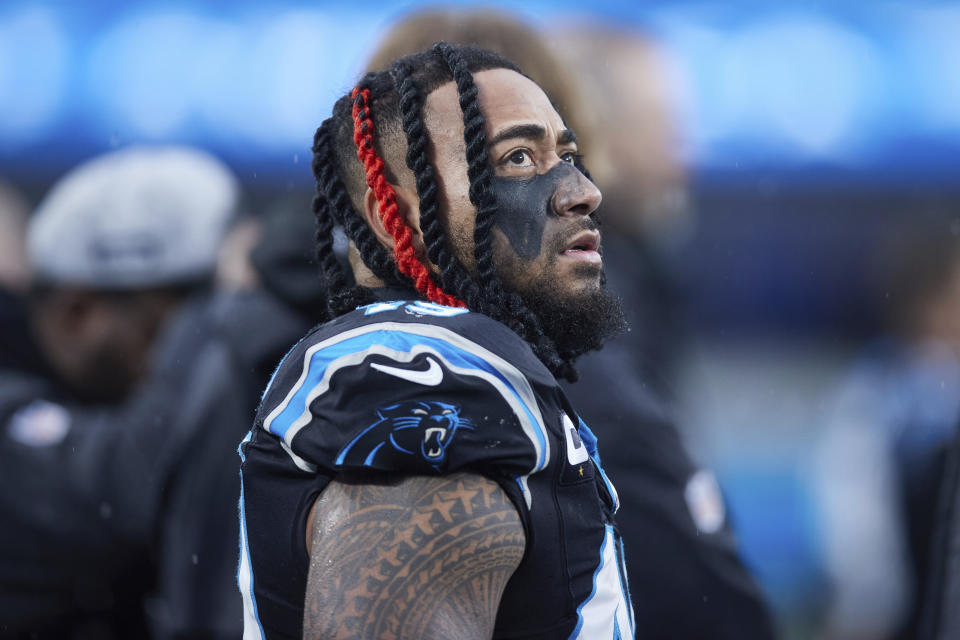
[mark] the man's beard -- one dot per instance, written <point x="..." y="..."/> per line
<point x="577" y="322"/>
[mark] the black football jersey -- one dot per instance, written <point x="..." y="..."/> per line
<point x="415" y="388"/>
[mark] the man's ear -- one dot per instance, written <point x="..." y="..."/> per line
<point x="371" y="211"/>
<point x="408" y="207"/>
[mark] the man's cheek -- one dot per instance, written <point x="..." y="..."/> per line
<point x="525" y="209"/>
<point x="514" y="272"/>
<point x="522" y="230"/>
<point x="522" y="213"/>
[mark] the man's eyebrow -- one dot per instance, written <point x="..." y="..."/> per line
<point x="531" y="132"/>
<point x="567" y="136"/>
<point x="526" y="131"/>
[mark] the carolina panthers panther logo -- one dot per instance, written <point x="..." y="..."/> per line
<point x="420" y="429"/>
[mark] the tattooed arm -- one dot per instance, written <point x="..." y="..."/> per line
<point x="419" y="557"/>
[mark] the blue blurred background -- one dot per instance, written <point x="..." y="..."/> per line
<point x="818" y="88"/>
<point x="813" y="132"/>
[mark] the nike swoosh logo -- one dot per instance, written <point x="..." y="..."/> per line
<point x="431" y="377"/>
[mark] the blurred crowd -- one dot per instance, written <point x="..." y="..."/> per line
<point x="144" y="305"/>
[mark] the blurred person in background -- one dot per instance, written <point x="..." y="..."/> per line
<point x="272" y="298"/>
<point x="117" y="247"/>
<point x="166" y="493"/>
<point x="683" y="562"/>
<point x="642" y="169"/>
<point x="940" y="608"/>
<point x="14" y="279"/>
<point x="14" y="269"/>
<point x="880" y="464"/>
<point x="687" y="578"/>
<point x="492" y="29"/>
<point x="234" y="271"/>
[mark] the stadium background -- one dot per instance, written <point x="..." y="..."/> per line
<point x="813" y="132"/>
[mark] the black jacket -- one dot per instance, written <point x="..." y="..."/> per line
<point x="686" y="577"/>
<point x="126" y="527"/>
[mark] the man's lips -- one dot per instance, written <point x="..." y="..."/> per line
<point x="584" y="247"/>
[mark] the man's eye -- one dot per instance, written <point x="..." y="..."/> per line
<point x="569" y="157"/>
<point x="519" y="158"/>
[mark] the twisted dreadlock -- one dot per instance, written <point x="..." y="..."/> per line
<point x="332" y="205"/>
<point x="403" y="251"/>
<point x="508" y="307"/>
<point x="325" y="207"/>
<point x="349" y="151"/>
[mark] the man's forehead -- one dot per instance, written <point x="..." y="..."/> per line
<point x="506" y="99"/>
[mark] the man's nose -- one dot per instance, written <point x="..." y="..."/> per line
<point x="575" y="194"/>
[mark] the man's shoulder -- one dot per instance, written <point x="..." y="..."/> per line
<point x="413" y="374"/>
<point x="402" y="329"/>
<point x="415" y="316"/>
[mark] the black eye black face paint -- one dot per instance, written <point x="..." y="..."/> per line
<point x="525" y="204"/>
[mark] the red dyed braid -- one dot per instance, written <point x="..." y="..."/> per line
<point x="403" y="252"/>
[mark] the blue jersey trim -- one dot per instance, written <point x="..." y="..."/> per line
<point x="589" y="439"/>
<point x="625" y="583"/>
<point x="245" y="546"/>
<point x="593" y="591"/>
<point x="380" y="307"/>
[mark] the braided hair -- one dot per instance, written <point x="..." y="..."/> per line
<point x="348" y="152"/>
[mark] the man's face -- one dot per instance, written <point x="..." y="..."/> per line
<point x="546" y="247"/>
<point x="100" y="344"/>
<point x="542" y="230"/>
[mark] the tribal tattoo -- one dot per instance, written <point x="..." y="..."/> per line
<point x="422" y="557"/>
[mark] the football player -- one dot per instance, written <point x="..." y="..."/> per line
<point x="415" y="470"/>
